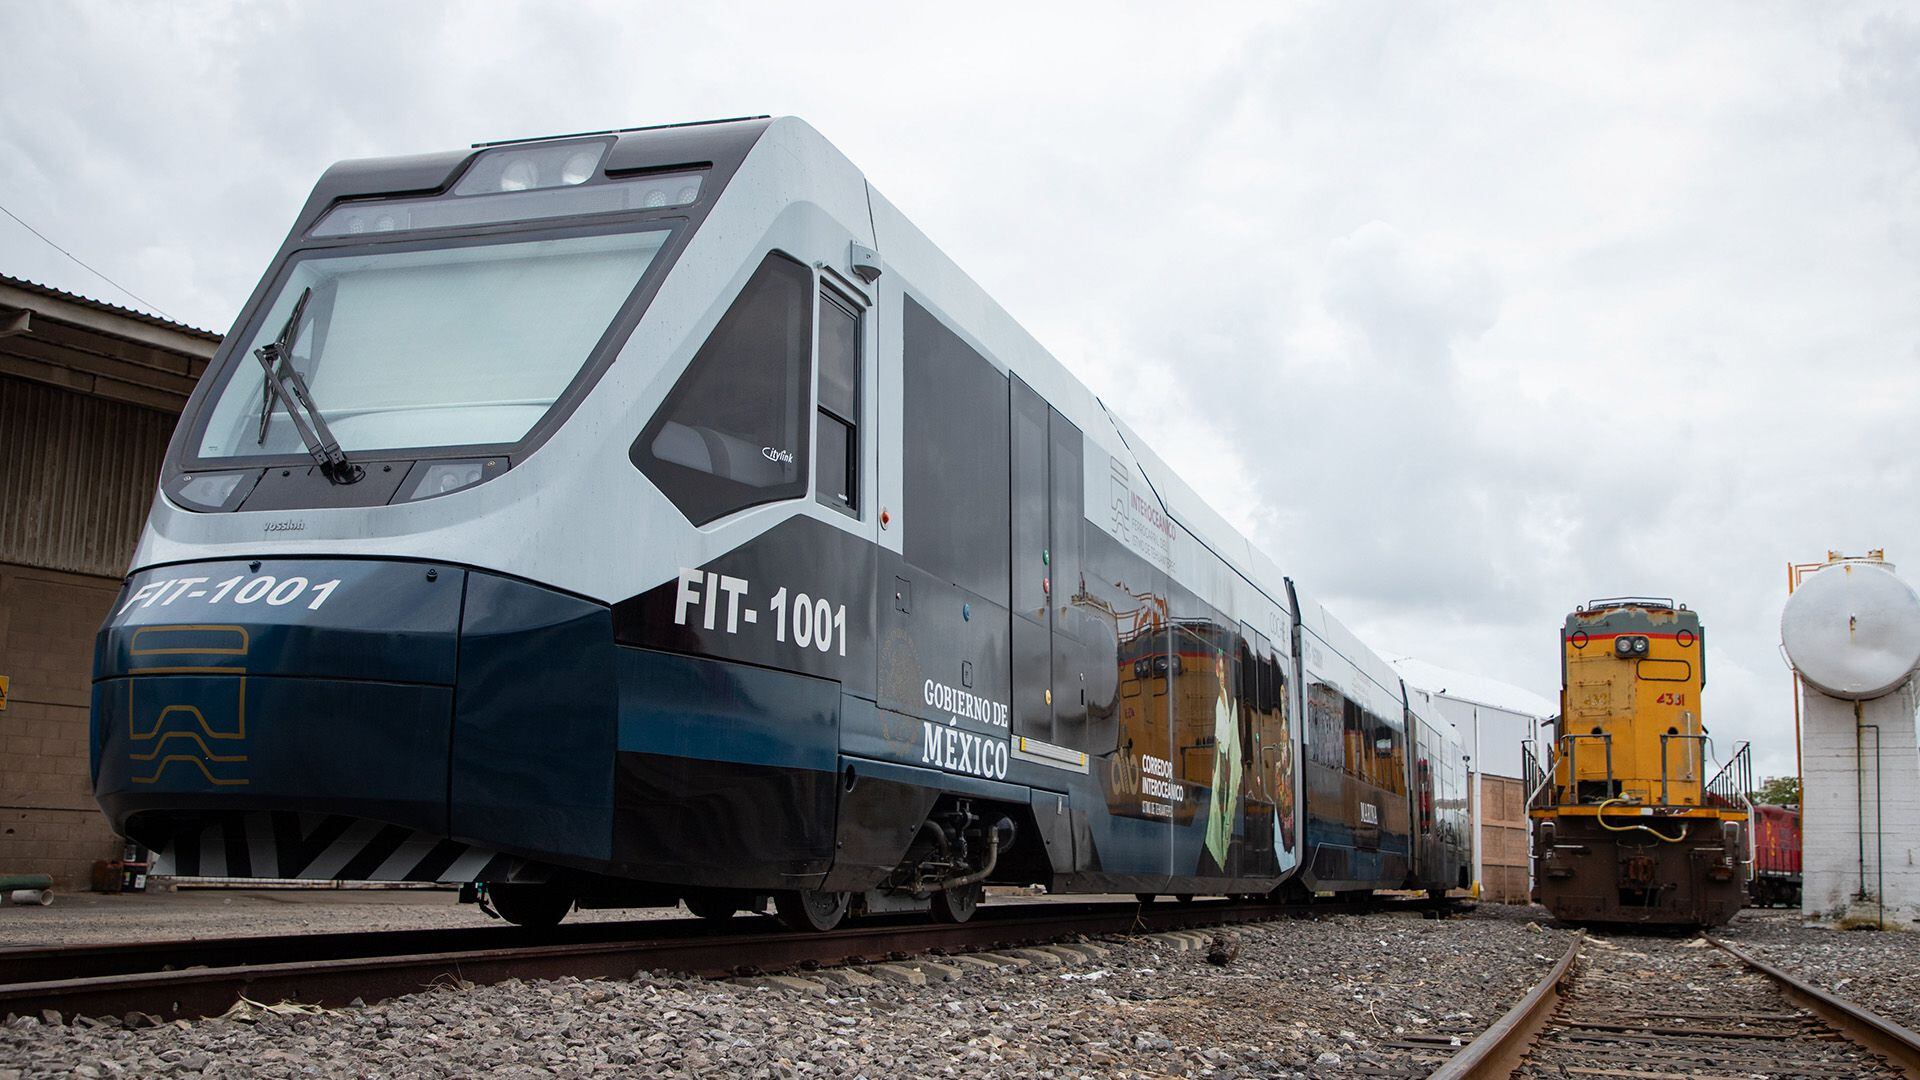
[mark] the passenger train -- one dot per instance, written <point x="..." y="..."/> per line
<point x="657" y="515"/>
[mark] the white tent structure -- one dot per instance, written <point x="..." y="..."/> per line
<point x="1495" y="719"/>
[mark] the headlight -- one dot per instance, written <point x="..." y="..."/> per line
<point x="446" y="477"/>
<point x="530" y="166"/>
<point x="580" y="167"/>
<point x="1623" y="645"/>
<point x="519" y="175"/>
<point x="214" y="491"/>
<point x="1640" y="646"/>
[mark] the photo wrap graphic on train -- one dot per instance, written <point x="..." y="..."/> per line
<point x="955" y="749"/>
<point x="1134" y="516"/>
<point x="1149" y="780"/>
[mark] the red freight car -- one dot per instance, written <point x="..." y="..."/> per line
<point x="1776" y="857"/>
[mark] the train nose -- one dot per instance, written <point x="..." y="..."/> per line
<point x="237" y="687"/>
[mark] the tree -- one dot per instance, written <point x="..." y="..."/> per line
<point x="1778" y="791"/>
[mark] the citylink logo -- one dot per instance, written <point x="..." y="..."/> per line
<point x="784" y="456"/>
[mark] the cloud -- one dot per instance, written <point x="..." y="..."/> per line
<point x="1466" y="314"/>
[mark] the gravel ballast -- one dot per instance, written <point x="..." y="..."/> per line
<point x="1879" y="969"/>
<point x="1317" y="997"/>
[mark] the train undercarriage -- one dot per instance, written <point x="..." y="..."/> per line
<point x="1679" y="873"/>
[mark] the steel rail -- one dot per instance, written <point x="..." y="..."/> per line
<point x="1499" y="1050"/>
<point x="1496" y="1051"/>
<point x="381" y="965"/>
<point x="1899" y="1045"/>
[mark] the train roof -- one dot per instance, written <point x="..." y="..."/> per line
<point x="823" y="174"/>
<point x="1009" y="344"/>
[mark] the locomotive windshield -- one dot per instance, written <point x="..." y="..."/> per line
<point x="457" y="344"/>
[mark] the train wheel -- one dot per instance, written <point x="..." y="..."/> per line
<point x="1184" y="898"/>
<point x="530" y="905"/>
<point x="714" y="908"/>
<point x="811" y="909"/>
<point x="1146" y="897"/>
<point x="957" y="905"/>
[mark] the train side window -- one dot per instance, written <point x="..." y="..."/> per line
<point x="837" y="438"/>
<point x="955" y="459"/>
<point x="732" y="432"/>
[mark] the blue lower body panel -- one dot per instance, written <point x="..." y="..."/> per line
<point x="233" y="741"/>
<point x="726" y="773"/>
<point x="411" y="722"/>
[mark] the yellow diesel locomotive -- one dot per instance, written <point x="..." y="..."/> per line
<point x="1627" y="828"/>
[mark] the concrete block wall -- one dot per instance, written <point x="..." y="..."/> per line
<point x="1840" y="797"/>
<point x="48" y="820"/>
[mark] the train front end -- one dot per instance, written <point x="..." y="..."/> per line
<point x="1632" y="828"/>
<point x="367" y="634"/>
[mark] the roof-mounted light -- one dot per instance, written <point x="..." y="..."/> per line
<point x="518" y="183"/>
<point x="528" y="168"/>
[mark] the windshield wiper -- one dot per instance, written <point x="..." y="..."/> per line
<point x="285" y="382"/>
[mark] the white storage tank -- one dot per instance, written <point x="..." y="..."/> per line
<point x="1851" y="631"/>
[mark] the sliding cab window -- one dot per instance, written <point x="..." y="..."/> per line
<point x="837" y="429"/>
<point x="732" y="432"/>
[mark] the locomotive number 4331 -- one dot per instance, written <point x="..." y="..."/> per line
<point x="724" y="603"/>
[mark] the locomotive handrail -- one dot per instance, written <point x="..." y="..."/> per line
<point x="1571" y="755"/>
<point x="1643" y="601"/>
<point x="1534" y="777"/>
<point x="1666" y="773"/>
<point x="1734" y="780"/>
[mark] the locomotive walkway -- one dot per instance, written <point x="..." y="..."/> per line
<point x="1698" y="1008"/>
<point x="178" y="979"/>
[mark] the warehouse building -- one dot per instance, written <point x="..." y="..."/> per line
<point x="89" y="393"/>
<point x="1496" y="720"/>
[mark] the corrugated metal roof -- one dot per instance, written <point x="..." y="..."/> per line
<point x="102" y="305"/>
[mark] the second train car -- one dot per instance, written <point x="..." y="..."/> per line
<point x="658" y="515"/>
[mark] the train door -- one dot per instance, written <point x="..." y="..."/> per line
<point x="944" y="692"/>
<point x="1427" y="853"/>
<point x="1062" y="663"/>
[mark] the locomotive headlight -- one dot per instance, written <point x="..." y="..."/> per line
<point x="1640" y="646"/>
<point x="1623" y="646"/>
<point x="446" y="477"/>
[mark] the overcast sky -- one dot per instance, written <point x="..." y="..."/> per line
<point x="1468" y="314"/>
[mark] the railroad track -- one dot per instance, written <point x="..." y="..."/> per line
<point x="175" y="979"/>
<point x="1664" y="1008"/>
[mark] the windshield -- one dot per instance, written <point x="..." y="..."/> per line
<point x="447" y="346"/>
